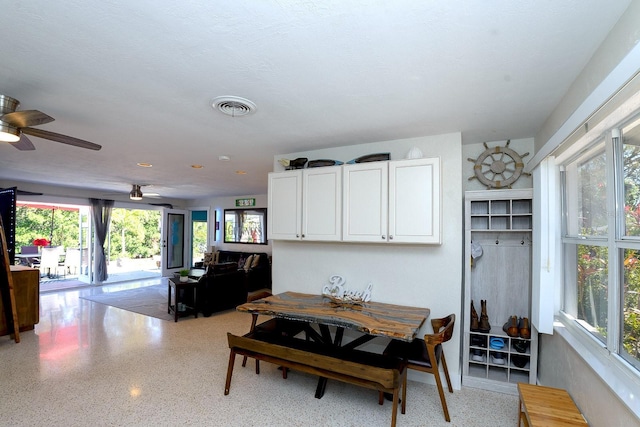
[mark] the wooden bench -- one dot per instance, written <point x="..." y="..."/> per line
<point x="547" y="406"/>
<point x="356" y="367"/>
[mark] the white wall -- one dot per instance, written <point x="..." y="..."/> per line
<point x="561" y="366"/>
<point x="414" y="275"/>
<point x="621" y="41"/>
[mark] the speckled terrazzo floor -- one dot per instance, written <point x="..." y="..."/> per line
<point x="91" y="364"/>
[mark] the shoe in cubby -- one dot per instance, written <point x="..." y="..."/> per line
<point x="520" y="346"/>
<point x="479" y="341"/>
<point x="477" y="355"/>
<point x="497" y="358"/>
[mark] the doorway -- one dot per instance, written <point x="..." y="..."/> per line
<point x="133" y="244"/>
<point x="199" y="236"/>
<point x="132" y="247"/>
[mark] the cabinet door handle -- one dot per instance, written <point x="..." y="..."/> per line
<point x="303" y="236"/>
<point x="297" y="235"/>
<point x="390" y="237"/>
<point x="383" y="238"/>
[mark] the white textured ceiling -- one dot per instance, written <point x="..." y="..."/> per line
<point x="137" y="77"/>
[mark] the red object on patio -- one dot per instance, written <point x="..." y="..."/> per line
<point x="41" y="242"/>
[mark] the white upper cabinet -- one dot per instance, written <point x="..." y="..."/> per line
<point x="322" y="203"/>
<point x="284" y="216"/>
<point x="306" y="204"/>
<point x="365" y="203"/>
<point x="395" y="202"/>
<point x="414" y="201"/>
<point x="379" y="202"/>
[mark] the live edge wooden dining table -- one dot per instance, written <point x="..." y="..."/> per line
<point x="372" y="319"/>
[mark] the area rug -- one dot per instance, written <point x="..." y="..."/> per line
<point x="148" y="300"/>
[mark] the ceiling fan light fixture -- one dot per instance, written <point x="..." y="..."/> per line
<point x="9" y="133"/>
<point x="136" y="193"/>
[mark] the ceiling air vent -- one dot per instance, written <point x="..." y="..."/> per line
<point x="233" y="105"/>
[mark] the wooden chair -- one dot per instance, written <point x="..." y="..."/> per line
<point x="426" y="356"/>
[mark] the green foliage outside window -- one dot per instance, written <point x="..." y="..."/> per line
<point x="592" y="286"/>
<point x="631" y="263"/>
<point x="199" y="240"/>
<point x="35" y="223"/>
<point x="592" y="260"/>
<point x="631" y="308"/>
<point x="132" y="233"/>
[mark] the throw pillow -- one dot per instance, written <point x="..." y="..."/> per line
<point x="247" y="263"/>
<point x="208" y="259"/>
<point x="256" y="258"/>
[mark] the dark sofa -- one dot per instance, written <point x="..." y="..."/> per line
<point x="221" y="287"/>
<point x="255" y="277"/>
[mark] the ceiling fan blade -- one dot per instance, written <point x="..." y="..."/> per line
<point x="22" y="119"/>
<point x="61" y="138"/>
<point x="23" y="144"/>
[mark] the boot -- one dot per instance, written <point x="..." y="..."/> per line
<point x="511" y="328"/>
<point x="484" y="319"/>
<point x="520" y="345"/>
<point x="474" y="319"/>
<point x="525" y="328"/>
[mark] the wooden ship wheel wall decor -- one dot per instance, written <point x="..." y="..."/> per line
<point x="498" y="167"/>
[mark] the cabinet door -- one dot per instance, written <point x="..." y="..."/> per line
<point x="322" y="204"/>
<point x="285" y="205"/>
<point x="365" y="202"/>
<point x="414" y="201"/>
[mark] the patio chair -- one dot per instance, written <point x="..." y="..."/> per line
<point x="29" y="250"/>
<point x="72" y="261"/>
<point x="29" y="255"/>
<point x="50" y="261"/>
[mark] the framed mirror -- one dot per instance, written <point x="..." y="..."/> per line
<point x="245" y="226"/>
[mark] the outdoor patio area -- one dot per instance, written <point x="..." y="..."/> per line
<point x="123" y="270"/>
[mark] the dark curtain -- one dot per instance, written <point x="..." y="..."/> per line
<point x="101" y="213"/>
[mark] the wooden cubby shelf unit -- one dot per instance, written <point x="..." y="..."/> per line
<point x="500" y="223"/>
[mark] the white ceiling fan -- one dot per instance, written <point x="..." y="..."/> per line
<point x="136" y="192"/>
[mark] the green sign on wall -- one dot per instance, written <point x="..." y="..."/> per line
<point x="245" y="202"/>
